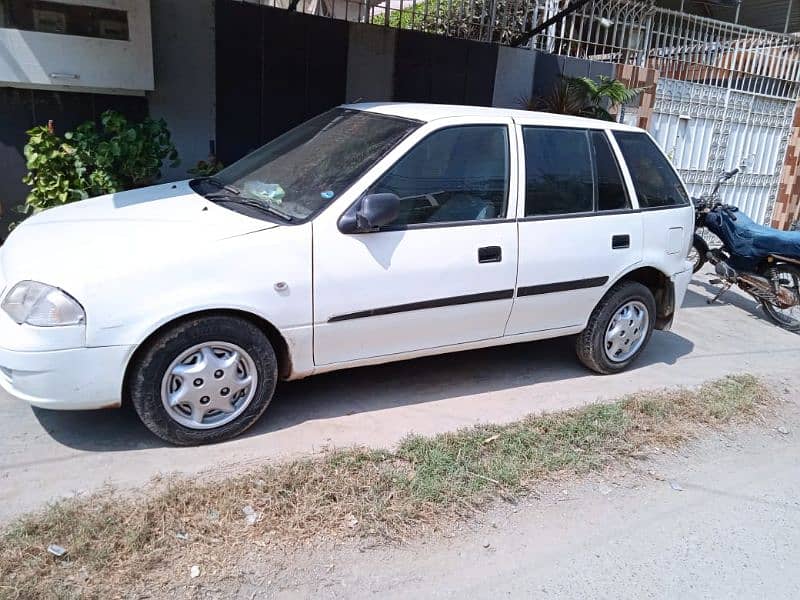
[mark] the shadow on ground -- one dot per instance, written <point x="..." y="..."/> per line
<point x="732" y="297"/>
<point x="369" y="389"/>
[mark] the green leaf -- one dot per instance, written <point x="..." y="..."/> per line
<point x="88" y="162"/>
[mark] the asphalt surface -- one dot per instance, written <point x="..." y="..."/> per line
<point x="46" y="455"/>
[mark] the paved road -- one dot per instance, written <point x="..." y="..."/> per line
<point x="45" y="455"/>
<point x="732" y="532"/>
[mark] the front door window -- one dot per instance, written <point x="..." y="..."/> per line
<point x="454" y="174"/>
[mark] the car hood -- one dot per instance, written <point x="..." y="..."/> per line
<point x="99" y="237"/>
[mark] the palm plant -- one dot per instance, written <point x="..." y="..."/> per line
<point x="585" y="97"/>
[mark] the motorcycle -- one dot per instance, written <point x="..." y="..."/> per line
<point x="763" y="262"/>
<point x="698" y="253"/>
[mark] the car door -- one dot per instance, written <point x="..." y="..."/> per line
<point x="444" y="271"/>
<point x="667" y="214"/>
<point x="578" y="229"/>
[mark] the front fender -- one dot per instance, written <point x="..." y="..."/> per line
<point x="238" y="274"/>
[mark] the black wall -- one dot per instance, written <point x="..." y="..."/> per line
<point x="432" y="68"/>
<point x="275" y="69"/>
<point x="21" y="110"/>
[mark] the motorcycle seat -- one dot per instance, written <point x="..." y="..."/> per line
<point x="748" y="239"/>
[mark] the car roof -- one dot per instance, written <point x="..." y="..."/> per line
<point x="431" y="112"/>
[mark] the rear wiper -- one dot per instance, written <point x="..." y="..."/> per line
<point x="235" y="199"/>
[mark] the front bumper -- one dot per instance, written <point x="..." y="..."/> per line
<point x="77" y="379"/>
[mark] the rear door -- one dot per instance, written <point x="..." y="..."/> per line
<point x="578" y="227"/>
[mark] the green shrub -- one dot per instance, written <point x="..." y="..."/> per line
<point x="207" y="168"/>
<point x="91" y="161"/>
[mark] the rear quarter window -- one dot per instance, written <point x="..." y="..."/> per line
<point x="656" y="183"/>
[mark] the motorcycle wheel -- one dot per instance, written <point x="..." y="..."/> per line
<point x="697" y="253"/>
<point x="789" y="317"/>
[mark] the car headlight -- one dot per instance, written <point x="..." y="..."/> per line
<point x="42" y="305"/>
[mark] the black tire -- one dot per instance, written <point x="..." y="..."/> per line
<point x="700" y="250"/>
<point x="791" y="276"/>
<point x="151" y="363"/>
<point x="590" y="344"/>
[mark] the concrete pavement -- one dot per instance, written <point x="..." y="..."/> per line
<point x="45" y="455"/>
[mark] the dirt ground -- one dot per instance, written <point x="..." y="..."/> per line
<point x="718" y="519"/>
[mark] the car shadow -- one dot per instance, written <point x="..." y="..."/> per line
<point x="368" y="389"/>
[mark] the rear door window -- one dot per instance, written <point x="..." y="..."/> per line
<point x="656" y="183"/>
<point x="558" y="171"/>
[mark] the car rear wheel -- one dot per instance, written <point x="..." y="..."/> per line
<point x="203" y="380"/>
<point x="619" y="328"/>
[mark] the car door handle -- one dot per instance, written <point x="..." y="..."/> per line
<point x="618" y="242"/>
<point x="489" y="254"/>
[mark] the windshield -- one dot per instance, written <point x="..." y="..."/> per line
<point x="299" y="173"/>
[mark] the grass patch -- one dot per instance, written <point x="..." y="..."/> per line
<point x="115" y="541"/>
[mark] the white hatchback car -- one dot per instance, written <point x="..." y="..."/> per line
<point x="371" y="233"/>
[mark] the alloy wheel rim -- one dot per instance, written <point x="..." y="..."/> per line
<point x="209" y="385"/>
<point x="626" y="331"/>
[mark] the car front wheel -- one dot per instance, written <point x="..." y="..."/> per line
<point x="619" y="328"/>
<point x="203" y="380"/>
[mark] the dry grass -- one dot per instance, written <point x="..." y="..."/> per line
<point x="114" y="541"/>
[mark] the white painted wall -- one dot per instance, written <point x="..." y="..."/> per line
<point x="68" y="62"/>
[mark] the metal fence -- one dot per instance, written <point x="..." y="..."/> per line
<point x="690" y="48"/>
<point x="681" y="46"/>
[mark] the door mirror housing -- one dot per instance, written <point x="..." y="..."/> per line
<point x="370" y="213"/>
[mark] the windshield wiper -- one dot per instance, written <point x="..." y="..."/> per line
<point x="235" y="199"/>
<point x="222" y="186"/>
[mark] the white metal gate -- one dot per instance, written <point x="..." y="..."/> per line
<point x="725" y="98"/>
<point x="706" y="129"/>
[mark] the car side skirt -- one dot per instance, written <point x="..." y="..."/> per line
<point x="487" y="343"/>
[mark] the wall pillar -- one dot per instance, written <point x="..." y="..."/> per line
<point x="370" y="63"/>
<point x="787" y="205"/>
<point x="634" y="76"/>
<point x="183" y="52"/>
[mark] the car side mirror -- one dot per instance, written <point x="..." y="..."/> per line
<point x="370" y="213"/>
